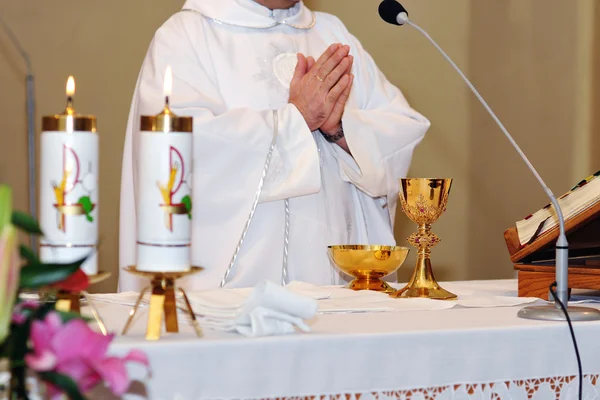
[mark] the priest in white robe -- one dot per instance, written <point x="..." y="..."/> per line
<point x="247" y="70"/>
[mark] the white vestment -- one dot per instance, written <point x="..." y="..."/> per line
<point x="232" y="63"/>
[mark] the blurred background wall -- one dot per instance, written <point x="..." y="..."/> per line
<point x="536" y="62"/>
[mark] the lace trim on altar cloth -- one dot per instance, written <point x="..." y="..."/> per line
<point x="565" y="388"/>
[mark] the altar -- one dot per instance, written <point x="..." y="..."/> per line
<point x="480" y="350"/>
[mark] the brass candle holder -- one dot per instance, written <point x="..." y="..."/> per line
<point x="162" y="301"/>
<point x="67" y="301"/>
<point x="368" y="264"/>
<point x="424" y="200"/>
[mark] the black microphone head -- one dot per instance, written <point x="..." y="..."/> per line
<point x="389" y="11"/>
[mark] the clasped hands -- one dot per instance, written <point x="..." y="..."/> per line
<point x="321" y="88"/>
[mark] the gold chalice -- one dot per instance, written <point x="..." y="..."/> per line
<point x="368" y="264"/>
<point x="424" y="200"/>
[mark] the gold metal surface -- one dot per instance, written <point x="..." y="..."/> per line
<point x="101" y="276"/>
<point x="166" y="122"/>
<point x="157" y="307"/>
<point x="175" y="209"/>
<point x="69" y="121"/>
<point x="170" y="306"/>
<point x="134" y="311"/>
<point x="162" y="301"/>
<point x="72" y="209"/>
<point x="424" y="200"/>
<point x="68" y="301"/>
<point x="191" y="313"/>
<point x="95" y="312"/>
<point x="163" y="275"/>
<point x="368" y="264"/>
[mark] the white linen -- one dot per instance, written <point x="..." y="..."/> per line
<point x="261" y="321"/>
<point x="124" y="298"/>
<point x="229" y="79"/>
<point x="494" y="301"/>
<point x="269" y="310"/>
<point x="361" y="353"/>
<point x="218" y="308"/>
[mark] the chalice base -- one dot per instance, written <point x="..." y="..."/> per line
<point x="423" y="284"/>
<point x="374" y="284"/>
<point x="436" y="293"/>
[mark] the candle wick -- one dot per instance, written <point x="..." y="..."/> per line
<point x="167" y="100"/>
<point x="69" y="101"/>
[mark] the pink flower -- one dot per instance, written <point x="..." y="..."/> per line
<point x="75" y="350"/>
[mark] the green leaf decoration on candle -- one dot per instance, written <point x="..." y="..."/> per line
<point x="187" y="202"/>
<point x="87" y="205"/>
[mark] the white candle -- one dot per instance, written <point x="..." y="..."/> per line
<point x="69" y="187"/>
<point x="164" y="190"/>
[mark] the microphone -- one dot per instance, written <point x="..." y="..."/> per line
<point x="394" y="13"/>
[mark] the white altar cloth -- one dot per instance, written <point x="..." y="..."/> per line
<point x="373" y="354"/>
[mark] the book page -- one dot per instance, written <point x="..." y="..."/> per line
<point x="577" y="200"/>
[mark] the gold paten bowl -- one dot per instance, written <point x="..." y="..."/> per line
<point x="368" y="264"/>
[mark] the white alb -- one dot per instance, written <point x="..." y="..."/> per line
<point x="232" y="66"/>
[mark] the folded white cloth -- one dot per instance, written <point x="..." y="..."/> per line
<point x="124" y="298"/>
<point x="269" y="310"/>
<point x="214" y="305"/>
<point x="310" y="290"/>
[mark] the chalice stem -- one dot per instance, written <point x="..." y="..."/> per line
<point x="423" y="271"/>
<point x="423" y="282"/>
<point x="423" y="274"/>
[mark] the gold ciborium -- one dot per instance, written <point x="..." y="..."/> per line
<point x="368" y="264"/>
<point x="424" y="200"/>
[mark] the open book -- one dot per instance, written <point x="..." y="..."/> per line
<point x="580" y="198"/>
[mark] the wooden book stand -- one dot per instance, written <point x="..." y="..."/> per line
<point x="535" y="261"/>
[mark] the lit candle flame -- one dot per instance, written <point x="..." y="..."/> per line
<point x="70" y="86"/>
<point x="168" y="81"/>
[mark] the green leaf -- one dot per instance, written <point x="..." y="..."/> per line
<point x="87" y="205"/>
<point x="28" y="255"/>
<point x="26" y="223"/>
<point x="35" y="276"/>
<point x="4" y="349"/>
<point x="64" y="383"/>
<point x="187" y="202"/>
<point x="5" y="206"/>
